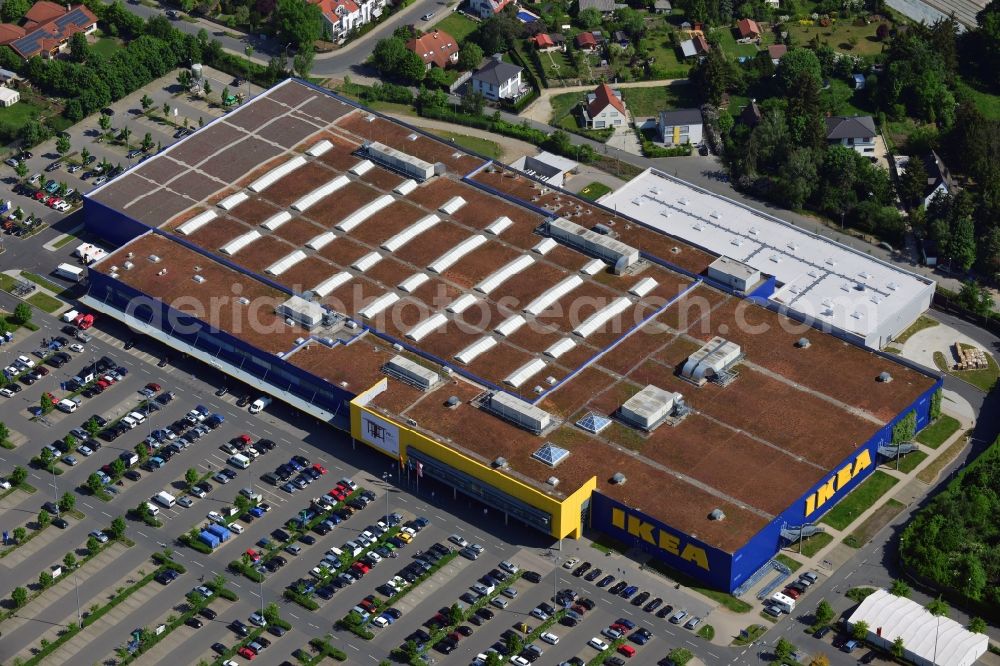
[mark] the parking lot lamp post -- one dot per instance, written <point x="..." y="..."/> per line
<point x="385" y="478"/>
<point x="76" y="579"/>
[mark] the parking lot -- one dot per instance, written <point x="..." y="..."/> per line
<point x="147" y="364"/>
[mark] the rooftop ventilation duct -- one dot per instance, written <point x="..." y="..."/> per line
<point x="803" y="343"/>
<point x="717" y="514"/>
<point x="884" y="377"/>
<point x="618" y="479"/>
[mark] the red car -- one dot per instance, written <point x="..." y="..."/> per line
<point x="254" y="555"/>
<point x="361" y="568"/>
<point x="319" y="468"/>
<point x="153" y="386"/>
<point x="103" y="384"/>
<point x="48" y="201"/>
<point x="336" y="494"/>
<point x="245" y="439"/>
<point x="83" y="322"/>
<point x="40" y="195"/>
<point x="789" y="592"/>
<point x="246" y="653"/>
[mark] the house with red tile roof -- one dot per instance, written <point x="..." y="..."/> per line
<point x="748" y="29"/>
<point x="341" y="17"/>
<point x="586" y="41"/>
<point x="436" y="47"/>
<point x="604" y="108"/>
<point x="776" y="52"/>
<point x="46" y="29"/>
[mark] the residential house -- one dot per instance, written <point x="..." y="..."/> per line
<point x="603" y="6"/>
<point x="938" y="178"/>
<point x="751" y="115"/>
<point x="748" y="29"/>
<point x="857" y="132"/>
<point x="696" y="46"/>
<point x="46" y="29"/>
<point x="620" y="38"/>
<point x="341" y="17"/>
<point x="586" y="41"/>
<point x="546" y="41"/>
<point x="546" y="167"/>
<point x="776" y="52"/>
<point x="436" y="47"/>
<point x="604" y="108"/>
<point x="662" y="6"/>
<point x="498" y="80"/>
<point x="487" y="8"/>
<point x="6" y="76"/>
<point x="678" y="127"/>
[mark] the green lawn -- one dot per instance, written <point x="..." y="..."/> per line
<point x="839" y="99"/>
<point x="661" y="49"/>
<point x="909" y="462"/>
<point x="937" y="433"/>
<point x="984" y="379"/>
<point x="988" y="104"/>
<point x="859" y="500"/>
<point x="105" y="46"/>
<point x="562" y="104"/>
<point x="789" y="562"/>
<point x="920" y="324"/>
<point x="814" y="544"/>
<point x="7" y="282"/>
<point x="839" y="36"/>
<point x="650" y="101"/>
<point x="557" y="66"/>
<point x="45" y="302"/>
<point x="13" y="118"/>
<point x="457" y="25"/>
<point x="727" y="41"/>
<point x="594" y="191"/>
<point x="875" y="522"/>
<point x="474" y="143"/>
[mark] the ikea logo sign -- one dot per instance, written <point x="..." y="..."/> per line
<point x="838" y="481"/>
<point x="660" y="538"/>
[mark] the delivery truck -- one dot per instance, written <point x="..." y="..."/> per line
<point x="70" y="272"/>
<point x="165" y="499"/>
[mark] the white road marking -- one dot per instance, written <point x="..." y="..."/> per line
<point x="199" y="563"/>
<point x="142" y="535"/>
<point x="107" y="514"/>
<point x="352" y="647"/>
<point x="235" y="584"/>
<point x="294" y="615"/>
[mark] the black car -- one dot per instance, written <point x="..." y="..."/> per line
<point x="568" y="621"/>
<point x="208" y="613"/>
<point x="194" y="622"/>
<point x="485" y="613"/>
<point x="446" y="646"/>
<point x="166" y="577"/>
<point x="219" y="648"/>
<point x="240" y="628"/>
<point x="607" y="580"/>
<point x="593" y="574"/>
<point x="653" y="605"/>
<point x="821" y="632"/>
<point x="281" y="535"/>
<point x="276" y="630"/>
<point x="618" y="587"/>
<point x="133" y="475"/>
<point x="244" y="400"/>
<point x="640" y="598"/>
<point x="264" y="444"/>
<point x="228" y="473"/>
<point x="307" y="539"/>
<point x="60" y="523"/>
<point x="222" y="391"/>
<point x="582" y="569"/>
<point x="321" y="529"/>
<point x="665" y="611"/>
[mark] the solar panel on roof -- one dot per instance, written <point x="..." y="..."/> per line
<point x="550" y="454"/>
<point x="593" y="423"/>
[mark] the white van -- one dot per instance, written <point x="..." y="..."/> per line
<point x="235" y="528"/>
<point x="239" y="460"/>
<point x="129" y="421"/>
<point x="336" y="552"/>
<point x="67" y="406"/>
<point x="259" y="404"/>
<point x="165" y="499"/>
<point x="137" y="417"/>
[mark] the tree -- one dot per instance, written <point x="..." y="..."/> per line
<point x="92" y="427"/>
<point x="499" y="32"/>
<point x="796" y="62"/>
<point x="19" y="595"/>
<point x="94" y="483"/>
<point x="824" y="612"/>
<point x="146" y="102"/>
<point x="67" y="502"/>
<point x="44" y="518"/>
<point x="913" y="183"/>
<point x="298" y="21"/>
<point x="104" y="122"/>
<point x="207" y="88"/>
<point x="514" y="643"/>
<point x="680" y="656"/>
<point x="976" y="298"/>
<point x="473" y="103"/>
<point x="962" y="248"/>
<point x="241" y="503"/>
<point x="783" y="649"/>
<point x="93" y="545"/>
<point x="69" y="560"/>
<point x="4" y="432"/>
<point x="13" y="11"/>
<point x="69" y="441"/>
<point x="898" y="648"/>
<point x="191" y="476"/>
<point x="142" y="511"/>
<point x="22" y="313"/>
<point x="147" y="142"/>
<point x="117" y="468"/>
<point x="899" y="588"/>
<point x="455" y="613"/>
<point x="410" y="649"/>
<point x="819" y="660"/>
<point x="118" y="526"/>
<point x="79" y="49"/>
<point x="715" y="75"/>
<point x="45" y="580"/>
<point x="271" y="613"/>
<point x="938" y="607"/>
<point x="589" y="18"/>
<point x="84" y="156"/>
<point x="436" y="78"/>
<point x="860" y="631"/>
<point x="303" y="61"/>
<point x="977" y="625"/>
<point x="20" y="534"/>
<point x="46" y="457"/>
<point x="18" y="475"/>
<point x="21" y="170"/>
<point x="469" y="56"/>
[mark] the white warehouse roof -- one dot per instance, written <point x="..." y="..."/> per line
<point x="924" y="635"/>
<point x="835" y="284"/>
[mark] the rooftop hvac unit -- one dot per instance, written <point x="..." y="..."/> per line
<point x="803" y="343"/>
<point x="243" y="300"/>
<point x="128" y="265"/>
<point x="155" y="259"/>
<point x="884" y="377"/>
<point x="398" y="347"/>
<point x="500" y="463"/>
<point x="412" y="373"/>
<point x="553" y="481"/>
<point x="711" y="360"/>
<point x="453" y="401"/>
<point x="200" y="279"/>
<point x="351" y="324"/>
<point x="649" y="407"/>
<point x="717" y="514"/>
<point x="618" y="479"/>
<point x="519" y="412"/>
<point x="620" y="255"/>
